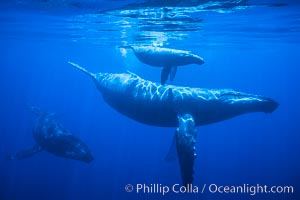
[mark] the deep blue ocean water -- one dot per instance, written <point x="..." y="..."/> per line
<point x="251" y="46"/>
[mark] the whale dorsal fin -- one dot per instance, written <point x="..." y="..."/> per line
<point x="185" y="143"/>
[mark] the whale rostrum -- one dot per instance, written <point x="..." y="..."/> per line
<point x="175" y="106"/>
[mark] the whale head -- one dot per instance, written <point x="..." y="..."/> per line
<point x="69" y="146"/>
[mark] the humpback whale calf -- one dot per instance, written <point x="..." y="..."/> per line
<point x="50" y="136"/>
<point x="167" y="58"/>
<point x="174" y="106"/>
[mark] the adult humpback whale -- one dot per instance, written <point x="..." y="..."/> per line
<point x="52" y="137"/>
<point x="172" y="106"/>
<point x="167" y="58"/>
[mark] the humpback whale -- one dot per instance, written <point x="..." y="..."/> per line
<point x="52" y="137"/>
<point x="167" y="58"/>
<point x="175" y="106"/>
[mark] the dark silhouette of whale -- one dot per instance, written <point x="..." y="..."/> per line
<point x="50" y="136"/>
<point x="174" y="106"/>
<point x="167" y="58"/>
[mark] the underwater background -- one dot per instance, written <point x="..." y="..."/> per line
<point x="250" y="46"/>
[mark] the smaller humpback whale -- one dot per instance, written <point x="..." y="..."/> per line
<point x="175" y="106"/>
<point x="167" y="58"/>
<point x="50" y="136"/>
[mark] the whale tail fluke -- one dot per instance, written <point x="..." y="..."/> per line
<point x="82" y="69"/>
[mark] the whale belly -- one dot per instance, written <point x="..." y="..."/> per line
<point x="147" y="112"/>
<point x="163" y="59"/>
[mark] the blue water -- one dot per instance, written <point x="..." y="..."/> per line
<point x="247" y="47"/>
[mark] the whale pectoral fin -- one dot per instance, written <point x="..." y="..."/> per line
<point x="25" y="153"/>
<point x="82" y="69"/>
<point x="165" y="74"/>
<point x="173" y="73"/>
<point x="185" y="143"/>
<point x="172" y="154"/>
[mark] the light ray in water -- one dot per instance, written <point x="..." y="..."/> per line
<point x="123" y="52"/>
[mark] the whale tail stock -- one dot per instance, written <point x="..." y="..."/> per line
<point x="82" y="69"/>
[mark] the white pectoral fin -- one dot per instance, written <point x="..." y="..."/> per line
<point x="168" y="72"/>
<point x="82" y="69"/>
<point x="25" y="153"/>
<point x="185" y="144"/>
